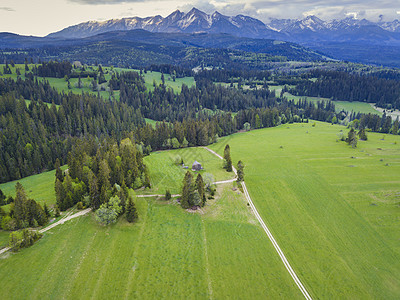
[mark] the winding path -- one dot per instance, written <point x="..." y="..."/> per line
<point x="270" y="236"/>
<point x="66" y="218"/>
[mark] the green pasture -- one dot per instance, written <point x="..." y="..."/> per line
<point x="355" y="106"/>
<point x="39" y="187"/>
<point x="62" y="86"/>
<point x="168" y="253"/>
<point x="333" y="209"/>
<point x="166" y="174"/>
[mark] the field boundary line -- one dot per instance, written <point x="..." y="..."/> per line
<point x="271" y="237"/>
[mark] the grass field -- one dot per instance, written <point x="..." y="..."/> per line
<point x="169" y="253"/>
<point x="333" y="209"/>
<point x="164" y="172"/>
<point x="354" y="106"/>
<point x="38" y="187"/>
<point x="335" y="217"/>
<point x="62" y="86"/>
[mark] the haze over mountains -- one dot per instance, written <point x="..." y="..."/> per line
<point x="357" y="40"/>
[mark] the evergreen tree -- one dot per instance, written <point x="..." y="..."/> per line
<point x="2" y="198"/>
<point x="56" y="212"/>
<point x="46" y="211"/>
<point x="146" y="183"/>
<point x="131" y="213"/>
<point x="20" y="206"/>
<point x="240" y="171"/>
<point x="59" y="173"/>
<point x="94" y="195"/>
<point x="186" y="196"/>
<point x="352" y="138"/>
<point x="395" y="127"/>
<point x="227" y="159"/>
<point x="362" y="134"/>
<point x="200" y="189"/>
<point x="167" y="195"/>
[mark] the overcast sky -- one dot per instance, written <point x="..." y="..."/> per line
<point x="41" y="17"/>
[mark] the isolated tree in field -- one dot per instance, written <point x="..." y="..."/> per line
<point x="352" y="138"/>
<point x="187" y="190"/>
<point x="201" y="190"/>
<point x="227" y="159"/>
<point x="131" y="213"/>
<point x="167" y="195"/>
<point x="240" y="171"/>
<point x="146" y="183"/>
<point x="362" y="134"/>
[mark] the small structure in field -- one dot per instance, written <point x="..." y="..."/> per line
<point x="196" y="166"/>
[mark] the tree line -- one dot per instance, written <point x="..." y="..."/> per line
<point x="350" y="87"/>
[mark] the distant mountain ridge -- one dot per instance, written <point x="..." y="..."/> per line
<point x="191" y="22"/>
<point x="244" y="26"/>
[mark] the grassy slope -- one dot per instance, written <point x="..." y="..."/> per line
<point x="335" y="217"/>
<point x="168" y="253"/>
<point x="38" y="187"/>
<point x="165" y="173"/>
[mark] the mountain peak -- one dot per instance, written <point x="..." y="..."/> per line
<point x="195" y="11"/>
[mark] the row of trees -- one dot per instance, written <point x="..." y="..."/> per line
<point x="108" y="173"/>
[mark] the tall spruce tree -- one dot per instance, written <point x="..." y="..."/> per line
<point x="240" y="171"/>
<point x="59" y="173"/>
<point x="131" y="213"/>
<point x="187" y="190"/>
<point x="227" y="158"/>
<point x="20" y="206"/>
<point x="201" y="189"/>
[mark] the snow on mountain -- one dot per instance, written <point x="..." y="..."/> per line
<point x="310" y="28"/>
<point x="312" y="23"/>
<point x="193" y="21"/>
<point x="393" y="26"/>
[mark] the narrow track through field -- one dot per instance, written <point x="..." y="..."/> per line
<point x="270" y="236"/>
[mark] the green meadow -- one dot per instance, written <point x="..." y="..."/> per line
<point x="218" y="252"/>
<point x="62" y="86"/>
<point x="38" y="187"/>
<point x="355" y="106"/>
<point x="166" y="173"/>
<point x="333" y="209"/>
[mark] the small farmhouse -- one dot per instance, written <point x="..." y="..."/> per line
<point x="196" y="166"/>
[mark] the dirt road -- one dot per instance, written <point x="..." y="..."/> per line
<point x="271" y="238"/>
<point x="67" y="217"/>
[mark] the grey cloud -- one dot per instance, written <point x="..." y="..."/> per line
<point x="7" y="9"/>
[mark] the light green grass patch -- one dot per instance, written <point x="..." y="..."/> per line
<point x="168" y="253"/>
<point x="355" y="106"/>
<point x="316" y="200"/>
<point x="39" y="187"/>
<point x="166" y="174"/>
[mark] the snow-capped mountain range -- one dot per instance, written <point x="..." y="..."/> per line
<point x="197" y="21"/>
